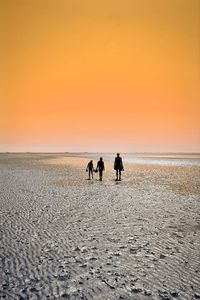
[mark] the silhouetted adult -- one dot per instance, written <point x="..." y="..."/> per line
<point x="100" y="168"/>
<point x="90" y="169"/>
<point x="118" y="167"/>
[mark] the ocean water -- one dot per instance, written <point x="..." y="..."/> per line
<point x="156" y="159"/>
<point x="151" y="159"/>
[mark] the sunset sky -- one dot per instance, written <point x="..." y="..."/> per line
<point x="100" y="75"/>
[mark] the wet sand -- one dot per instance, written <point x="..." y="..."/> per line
<point x="65" y="237"/>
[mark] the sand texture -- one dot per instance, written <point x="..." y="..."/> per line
<point x="65" y="237"/>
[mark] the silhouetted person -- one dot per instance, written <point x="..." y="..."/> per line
<point x="100" y="168"/>
<point x="118" y="167"/>
<point x="90" y="169"/>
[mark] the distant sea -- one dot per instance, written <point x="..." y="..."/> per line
<point x="168" y="159"/>
<point x="159" y="159"/>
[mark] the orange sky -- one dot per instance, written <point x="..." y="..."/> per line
<point x="107" y="75"/>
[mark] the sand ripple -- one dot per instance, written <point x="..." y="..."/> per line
<point x="64" y="237"/>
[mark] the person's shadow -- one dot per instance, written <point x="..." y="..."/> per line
<point x="117" y="181"/>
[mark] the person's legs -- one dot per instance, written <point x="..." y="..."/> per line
<point x="119" y="175"/>
<point x="89" y="173"/>
<point x="117" y="171"/>
<point x="92" y="173"/>
<point x="100" y="175"/>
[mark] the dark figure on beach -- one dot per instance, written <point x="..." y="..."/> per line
<point x="90" y="169"/>
<point x="118" y="167"/>
<point x="100" y="168"/>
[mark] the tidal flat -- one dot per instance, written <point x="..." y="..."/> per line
<point x="66" y="237"/>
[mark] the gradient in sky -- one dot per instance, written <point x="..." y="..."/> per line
<point x="93" y="75"/>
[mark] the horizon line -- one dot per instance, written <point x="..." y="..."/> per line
<point x="94" y="152"/>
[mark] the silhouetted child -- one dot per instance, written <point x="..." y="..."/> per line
<point x="100" y="168"/>
<point x="118" y="167"/>
<point x="90" y="169"/>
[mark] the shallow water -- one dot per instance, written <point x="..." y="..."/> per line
<point x="151" y="159"/>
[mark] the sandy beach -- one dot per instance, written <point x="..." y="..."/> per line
<point x="65" y="237"/>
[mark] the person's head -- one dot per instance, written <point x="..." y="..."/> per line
<point x="118" y="154"/>
<point x="101" y="158"/>
<point x="91" y="161"/>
